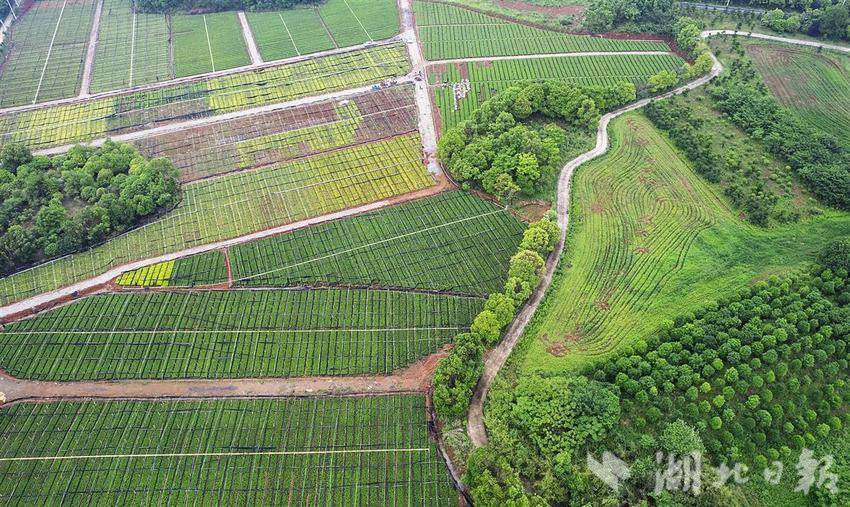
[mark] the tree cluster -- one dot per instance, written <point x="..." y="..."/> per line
<point x="742" y="182"/>
<point x="166" y="6"/>
<point x="687" y="36"/>
<point x="635" y="15"/>
<point x="829" y="22"/>
<point x="821" y="163"/>
<point x="457" y="374"/>
<point x="52" y="207"/>
<point x="502" y="155"/>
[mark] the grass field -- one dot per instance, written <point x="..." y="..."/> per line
<point x="276" y="136"/>
<point x="47" y="52"/>
<point x="203" y="269"/>
<point x="488" y="78"/>
<point x="70" y="123"/>
<point x="132" y="48"/>
<point x="330" y="451"/>
<point x="207" y="43"/>
<point x="453" y="241"/>
<point x="449" y="32"/>
<point x="335" y="23"/>
<point x="220" y="208"/>
<point x="230" y="334"/>
<point x="814" y="85"/>
<point x="651" y="240"/>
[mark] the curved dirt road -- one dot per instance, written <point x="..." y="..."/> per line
<point x="495" y="358"/>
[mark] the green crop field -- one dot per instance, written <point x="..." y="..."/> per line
<point x="48" y="49"/>
<point x="330" y="451"/>
<point x="83" y="121"/>
<point x="229" y="334"/>
<point x="336" y="23"/>
<point x="488" y="78"/>
<point x="220" y="208"/>
<point x="132" y="48"/>
<point x="814" y="85"/>
<point x="275" y="136"/>
<point x="453" y="241"/>
<point x="204" y="269"/>
<point x="651" y="240"/>
<point x="449" y="32"/>
<point x="207" y="43"/>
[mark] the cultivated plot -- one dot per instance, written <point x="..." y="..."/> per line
<point x="652" y="240"/>
<point x="207" y="43"/>
<point x="222" y="208"/>
<point x="454" y="241"/>
<point x="330" y="451"/>
<point x="203" y="269"/>
<point x="335" y="23"/>
<point x="47" y="49"/>
<point x="449" y="32"/>
<point x="268" y="138"/>
<point x="132" y="48"/>
<point x="459" y="88"/>
<point x="84" y="121"/>
<point x="229" y="334"/>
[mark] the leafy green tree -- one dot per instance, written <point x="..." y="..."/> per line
<point x="662" y="80"/>
<point x="679" y="437"/>
<point x="14" y="155"/>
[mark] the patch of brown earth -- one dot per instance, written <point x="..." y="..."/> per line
<point x="562" y="345"/>
<point x="532" y="210"/>
<point x="642" y="250"/>
<point x="462" y="69"/>
<point x="560" y="10"/>
<point x="597" y="208"/>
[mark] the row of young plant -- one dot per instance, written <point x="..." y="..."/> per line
<point x="457" y="374"/>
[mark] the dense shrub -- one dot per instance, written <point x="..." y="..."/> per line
<point x="52" y="207"/>
<point x="637" y="15"/>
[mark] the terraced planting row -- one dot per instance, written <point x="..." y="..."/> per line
<point x="229" y="334"/>
<point x="814" y="85"/>
<point x="454" y="241"/>
<point x="488" y="78"/>
<point x="222" y="208"/>
<point x="204" y="269"/>
<point x="47" y="51"/>
<point x="132" y="48"/>
<point x="83" y="121"/>
<point x="276" y="136"/>
<point x="449" y="32"/>
<point x="650" y="241"/>
<point x="335" y="23"/>
<point x="330" y="451"/>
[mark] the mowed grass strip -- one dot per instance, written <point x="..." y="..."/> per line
<point x="453" y="241"/>
<point x="449" y="32"/>
<point x="226" y="207"/>
<point x="41" y="66"/>
<point x="228" y="334"/>
<point x="132" y="48"/>
<point x="207" y="43"/>
<point x="489" y="78"/>
<point x="651" y="240"/>
<point x="328" y="451"/>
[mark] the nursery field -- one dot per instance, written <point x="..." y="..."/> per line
<point x="132" y="48"/>
<point x="83" y="121"/>
<point x="453" y="241"/>
<point x="335" y="23"/>
<point x="329" y="451"/>
<point x="203" y="269"/>
<point x="207" y="43"/>
<point x="47" y="52"/>
<point x="651" y="240"/>
<point x="449" y="32"/>
<point x="221" y="208"/>
<point x="486" y="79"/>
<point x="285" y="134"/>
<point x="814" y="85"/>
<point x="230" y="334"/>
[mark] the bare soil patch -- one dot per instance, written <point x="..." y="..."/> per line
<point x="532" y="209"/>
<point x="575" y="10"/>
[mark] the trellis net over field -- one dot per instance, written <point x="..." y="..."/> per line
<point x="329" y="451"/>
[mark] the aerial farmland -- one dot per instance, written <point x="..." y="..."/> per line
<point x="423" y="252"/>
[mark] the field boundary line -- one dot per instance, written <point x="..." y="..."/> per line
<point x="237" y="331"/>
<point x="215" y="454"/>
<point x="133" y="47"/>
<point x="358" y="20"/>
<point x="209" y="44"/>
<point x="295" y="46"/>
<point x="94" y="38"/>
<point x="248" y="37"/>
<point x="49" y="51"/>
<point x="370" y="245"/>
<point x="539" y="56"/>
